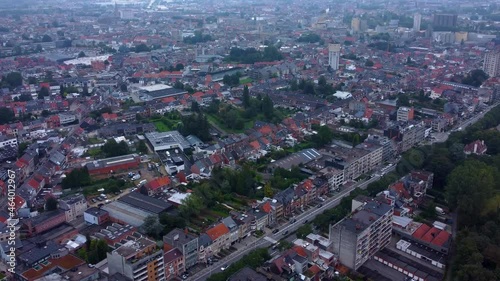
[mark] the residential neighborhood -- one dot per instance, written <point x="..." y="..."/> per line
<point x="286" y="140"/>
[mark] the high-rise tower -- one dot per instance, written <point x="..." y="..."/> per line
<point x="417" y="21"/>
<point x="334" y="56"/>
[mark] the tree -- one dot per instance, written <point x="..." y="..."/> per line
<point x="178" y="85"/>
<point x="267" y="107"/>
<point x="324" y="136"/>
<point x="123" y="87"/>
<point x="142" y="147"/>
<point x="22" y="148"/>
<point x="85" y="90"/>
<point x="45" y="113"/>
<point x="246" y="97"/>
<point x="303" y="231"/>
<point x="179" y="67"/>
<point x="51" y="204"/>
<point x="403" y="100"/>
<point x="475" y="78"/>
<point x="369" y="63"/>
<point x="460" y="194"/>
<point x="81" y="54"/>
<point x="78" y="177"/>
<point x="195" y="107"/>
<point x="268" y="190"/>
<point x="111" y="148"/>
<point x="141" y="48"/>
<point x="38" y="48"/>
<point x="46" y="38"/>
<point x="62" y="90"/>
<point x="152" y="226"/>
<point x="6" y="115"/>
<point x="44" y="92"/>
<point x="12" y="80"/>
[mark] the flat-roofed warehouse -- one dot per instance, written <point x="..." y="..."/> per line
<point x="302" y="157"/>
<point x="159" y="91"/>
<point x="134" y="207"/>
<point x="145" y="203"/>
<point x="113" y="164"/>
<point x="167" y="140"/>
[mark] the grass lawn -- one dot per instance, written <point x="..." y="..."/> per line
<point x="215" y="120"/>
<point x="161" y="127"/>
<point x="246" y="81"/>
<point x="94" y="152"/>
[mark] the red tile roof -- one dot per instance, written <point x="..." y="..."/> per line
<point x="421" y="231"/>
<point x="441" y="238"/>
<point x="217" y="231"/>
<point x="267" y="207"/>
<point x="158" y="183"/>
<point x="255" y="145"/>
<point x="430" y="235"/>
<point x="300" y="251"/>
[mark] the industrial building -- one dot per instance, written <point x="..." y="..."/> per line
<point x="113" y="164"/>
<point x="167" y="140"/>
<point x="146" y="203"/>
<point x="364" y="232"/>
<point x="159" y="91"/>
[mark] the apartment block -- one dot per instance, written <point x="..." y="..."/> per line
<point x="404" y="114"/>
<point x="186" y="242"/>
<point x="360" y="235"/>
<point x="492" y="63"/>
<point x="356" y="161"/>
<point x="138" y="260"/>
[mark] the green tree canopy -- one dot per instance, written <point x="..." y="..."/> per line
<point x="469" y="186"/>
<point x="111" y="148"/>
<point x="76" y="178"/>
<point x="6" y="115"/>
<point x="51" y="204"/>
<point x="12" y="80"/>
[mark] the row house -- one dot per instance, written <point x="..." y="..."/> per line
<point x="220" y="236"/>
<point x="174" y="264"/>
<point x="73" y="206"/>
<point x="157" y="185"/>
<point x="186" y="243"/>
<point x="244" y="221"/>
<point x="233" y="229"/>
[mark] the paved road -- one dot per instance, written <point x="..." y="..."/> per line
<point x="300" y="220"/>
<point x="442" y="137"/>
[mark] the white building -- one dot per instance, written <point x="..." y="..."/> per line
<point x="417" y="21"/>
<point x="492" y="63"/>
<point x="5" y="141"/>
<point x="334" y="56"/>
<point x="343" y="95"/>
<point x="73" y="206"/>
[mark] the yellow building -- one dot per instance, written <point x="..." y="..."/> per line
<point x="356" y="24"/>
<point x="462" y="35"/>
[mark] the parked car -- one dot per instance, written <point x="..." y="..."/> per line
<point x="276" y="231"/>
<point x="285" y="232"/>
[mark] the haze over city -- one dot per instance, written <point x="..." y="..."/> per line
<point x="249" y="140"/>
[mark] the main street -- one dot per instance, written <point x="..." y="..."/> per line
<point x="442" y="137"/>
<point x="301" y="219"/>
<point x="309" y="215"/>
